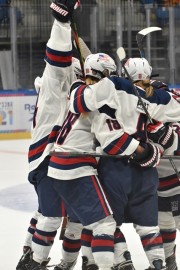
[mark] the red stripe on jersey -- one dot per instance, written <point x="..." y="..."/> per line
<point x="168" y="182"/>
<point x="43" y="238"/>
<point x="70" y="160"/>
<point x="102" y="242"/>
<point x="53" y="134"/>
<point x="119" y="144"/>
<point x="101" y="198"/>
<point x="86" y="237"/>
<point x="152" y="241"/>
<point x="169" y="236"/>
<point x="71" y="245"/>
<point x="37" y="150"/>
<point x="56" y="58"/>
<point x="79" y="94"/>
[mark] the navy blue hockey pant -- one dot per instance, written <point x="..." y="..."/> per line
<point x="131" y="191"/>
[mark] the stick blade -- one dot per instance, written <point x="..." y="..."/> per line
<point x="84" y="48"/>
<point x="121" y="53"/>
<point x="148" y="30"/>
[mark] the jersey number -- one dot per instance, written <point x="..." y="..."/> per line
<point x="113" y="124"/>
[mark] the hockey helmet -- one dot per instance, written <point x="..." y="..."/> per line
<point x="99" y="65"/>
<point x="138" y="69"/>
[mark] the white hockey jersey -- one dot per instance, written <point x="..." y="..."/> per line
<point x="118" y="94"/>
<point x="77" y="135"/>
<point x="52" y="102"/>
<point x="169" y="183"/>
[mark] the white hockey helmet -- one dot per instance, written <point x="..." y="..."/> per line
<point x="96" y="65"/>
<point x="77" y="68"/>
<point x="138" y="69"/>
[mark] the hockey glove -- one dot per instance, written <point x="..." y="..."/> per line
<point x="150" y="157"/>
<point x="63" y="10"/>
<point x="160" y="134"/>
<point x="160" y="85"/>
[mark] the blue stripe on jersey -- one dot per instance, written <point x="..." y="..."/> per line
<point x="102" y="243"/>
<point x="159" y="97"/>
<point x="119" y="145"/>
<point x="79" y="103"/>
<point x="37" y="149"/>
<point x="57" y="58"/>
<point x="53" y="135"/>
<point x="86" y="238"/>
<point x="69" y="163"/>
<point x="71" y="245"/>
<point x="119" y="237"/>
<point x="168" y="235"/>
<point x="44" y="238"/>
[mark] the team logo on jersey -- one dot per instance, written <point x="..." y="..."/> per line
<point x="140" y="107"/>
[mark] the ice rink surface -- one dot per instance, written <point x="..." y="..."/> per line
<point x="18" y="201"/>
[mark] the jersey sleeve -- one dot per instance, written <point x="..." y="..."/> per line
<point x="90" y="98"/>
<point x="167" y="107"/>
<point x="59" y="45"/>
<point x="112" y="138"/>
<point x="52" y="102"/>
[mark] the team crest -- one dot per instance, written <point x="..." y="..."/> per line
<point x="140" y="107"/>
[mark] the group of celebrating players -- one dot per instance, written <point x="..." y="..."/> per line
<point x="128" y="183"/>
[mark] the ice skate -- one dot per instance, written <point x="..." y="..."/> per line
<point x="25" y="261"/>
<point x="65" y="265"/>
<point x="158" y="265"/>
<point x="126" y="265"/>
<point x="88" y="267"/>
<point x="39" y="266"/>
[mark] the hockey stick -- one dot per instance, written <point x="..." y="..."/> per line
<point x="84" y="48"/>
<point x="85" y="154"/>
<point x="139" y="38"/>
<point x="78" y="47"/>
<point x="122" y="55"/>
<point x="63" y="228"/>
<point x="141" y="34"/>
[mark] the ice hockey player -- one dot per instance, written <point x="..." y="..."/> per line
<point x="53" y="88"/>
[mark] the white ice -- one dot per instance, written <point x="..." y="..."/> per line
<point x="18" y="201"/>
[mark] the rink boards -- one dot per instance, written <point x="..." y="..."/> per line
<point x="16" y="112"/>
